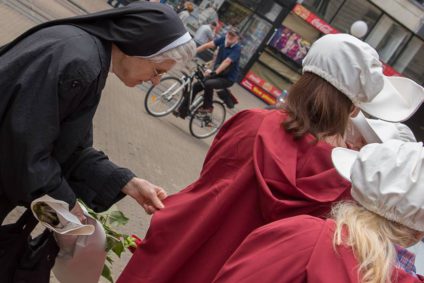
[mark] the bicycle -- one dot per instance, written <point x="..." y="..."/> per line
<point x="165" y="97"/>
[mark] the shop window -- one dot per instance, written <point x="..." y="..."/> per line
<point x="354" y="10"/>
<point x="232" y="13"/>
<point x="388" y="38"/>
<point x="411" y="62"/>
<point x="290" y="44"/>
<point x="299" y="26"/>
<point x="271" y="62"/>
<point x="269" y="9"/>
<point x="253" y="35"/>
<point x="325" y="9"/>
<point x="252" y="4"/>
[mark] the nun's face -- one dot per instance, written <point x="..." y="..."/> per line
<point x="134" y="70"/>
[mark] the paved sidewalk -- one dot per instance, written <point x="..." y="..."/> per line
<point x="159" y="150"/>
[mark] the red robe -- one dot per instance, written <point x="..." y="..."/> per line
<point x="253" y="174"/>
<point x="296" y="250"/>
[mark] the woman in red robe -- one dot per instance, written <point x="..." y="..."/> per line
<point x="364" y="242"/>
<point x="296" y="250"/>
<point x="262" y="166"/>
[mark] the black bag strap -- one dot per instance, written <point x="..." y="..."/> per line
<point x="27" y="222"/>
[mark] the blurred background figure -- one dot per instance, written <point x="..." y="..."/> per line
<point x="185" y="13"/>
<point x="205" y="33"/>
<point x="208" y="15"/>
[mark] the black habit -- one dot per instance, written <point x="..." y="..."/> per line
<point x="51" y="81"/>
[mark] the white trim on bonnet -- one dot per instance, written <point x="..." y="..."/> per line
<point x="389" y="215"/>
<point x="181" y="40"/>
<point x="329" y="78"/>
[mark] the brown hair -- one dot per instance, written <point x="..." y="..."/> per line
<point x="188" y="6"/>
<point x="315" y="106"/>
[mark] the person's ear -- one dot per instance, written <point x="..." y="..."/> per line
<point x="354" y="112"/>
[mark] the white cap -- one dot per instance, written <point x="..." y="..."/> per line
<point x="378" y="131"/>
<point x="353" y="67"/>
<point x="387" y="179"/>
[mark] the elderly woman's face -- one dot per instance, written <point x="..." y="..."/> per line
<point x="135" y="70"/>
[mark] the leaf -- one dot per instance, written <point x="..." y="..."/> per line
<point x="117" y="218"/>
<point x="118" y="249"/>
<point x="112" y="233"/>
<point x="116" y="242"/>
<point x="111" y="242"/>
<point x="106" y="273"/>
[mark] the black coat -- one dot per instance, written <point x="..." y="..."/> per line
<point x="50" y="86"/>
<point x="51" y="78"/>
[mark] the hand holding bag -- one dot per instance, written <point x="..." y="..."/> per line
<point x="82" y="246"/>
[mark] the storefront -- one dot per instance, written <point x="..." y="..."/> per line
<point x="276" y="35"/>
<point x="256" y="20"/>
<point x="279" y="63"/>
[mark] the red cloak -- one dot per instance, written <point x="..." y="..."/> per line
<point x="296" y="250"/>
<point x="253" y="174"/>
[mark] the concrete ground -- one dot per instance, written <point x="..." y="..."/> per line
<point x="160" y="150"/>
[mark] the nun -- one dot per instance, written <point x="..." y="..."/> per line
<point x="51" y="84"/>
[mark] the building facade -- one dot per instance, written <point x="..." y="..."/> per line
<point x="396" y="36"/>
<point x="276" y="35"/>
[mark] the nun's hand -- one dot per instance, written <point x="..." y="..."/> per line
<point x="78" y="212"/>
<point x="149" y="196"/>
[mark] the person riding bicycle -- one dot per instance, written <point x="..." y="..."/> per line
<point x="224" y="73"/>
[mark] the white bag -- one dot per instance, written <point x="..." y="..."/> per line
<point x="82" y="246"/>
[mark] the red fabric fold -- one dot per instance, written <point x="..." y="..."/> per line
<point x="296" y="250"/>
<point x="254" y="173"/>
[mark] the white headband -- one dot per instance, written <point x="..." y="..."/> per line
<point x="181" y="40"/>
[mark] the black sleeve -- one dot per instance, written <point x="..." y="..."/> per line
<point x="95" y="179"/>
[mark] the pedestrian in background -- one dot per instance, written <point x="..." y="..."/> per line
<point x="364" y="241"/>
<point x="186" y="11"/>
<point x="205" y="33"/>
<point x="266" y="165"/>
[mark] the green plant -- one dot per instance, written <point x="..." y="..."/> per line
<point x="116" y="242"/>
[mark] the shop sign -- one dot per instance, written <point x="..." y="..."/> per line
<point x="256" y="90"/>
<point x="325" y="28"/>
<point x="313" y="19"/>
<point x="263" y="84"/>
<point x="389" y="71"/>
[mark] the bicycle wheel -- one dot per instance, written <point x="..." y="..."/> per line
<point x="205" y="125"/>
<point x="161" y="99"/>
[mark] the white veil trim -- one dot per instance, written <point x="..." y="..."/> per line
<point x="181" y="40"/>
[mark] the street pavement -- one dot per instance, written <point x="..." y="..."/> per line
<point x="160" y="150"/>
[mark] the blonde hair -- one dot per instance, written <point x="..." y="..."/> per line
<point x="372" y="239"/>
<point x="181" y="54"/>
